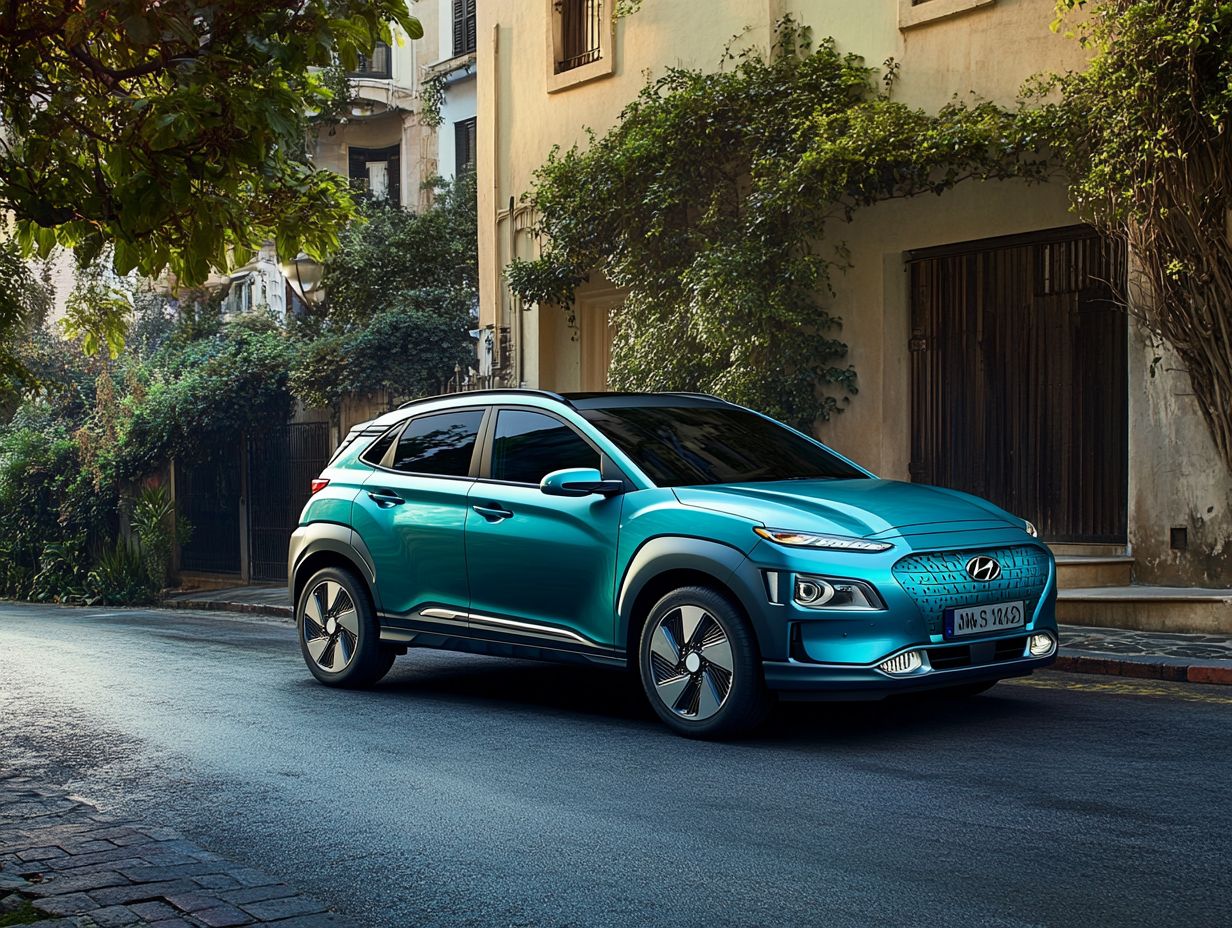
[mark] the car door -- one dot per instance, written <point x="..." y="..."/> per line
<point x="541" y="567"/>
<point x="411" y="514"/>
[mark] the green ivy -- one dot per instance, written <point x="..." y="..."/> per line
<point x="1145" y="136"/>
<point x="711" y="202"/>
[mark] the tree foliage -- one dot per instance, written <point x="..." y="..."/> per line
<point x="393" y="254"/>
<point x="175" y="130"/>
<point x="711" y="201"/>
<point x="1145" y="135"/>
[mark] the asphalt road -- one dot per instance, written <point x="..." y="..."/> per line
<point x="475" y="791"/>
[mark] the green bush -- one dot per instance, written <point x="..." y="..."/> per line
<point x="158" y="530"/>
<point x="52" y="513"/>
<point x="121" y="577"/>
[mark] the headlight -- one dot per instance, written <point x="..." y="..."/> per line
<point x="828" y="542"/>
<point x="835" y="593"/>
<point x="1030" y="529"/>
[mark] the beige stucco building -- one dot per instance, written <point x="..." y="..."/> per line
<point x="989" y="356"/>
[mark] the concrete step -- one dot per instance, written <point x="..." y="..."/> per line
<point x="1148" y="608"/>
<point x="1080" y="571"/>
<point x="1074" y="549"/>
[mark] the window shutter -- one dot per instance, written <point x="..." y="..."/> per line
<point x="459" y="25"/>
<point x="470" y="25"/>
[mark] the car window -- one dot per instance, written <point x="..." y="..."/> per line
<point x="529" y="445"/>
<point x="697" y="445"/>
<point x="440" y="444"/>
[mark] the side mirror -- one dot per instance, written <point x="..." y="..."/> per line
<point x="579" y="481"/>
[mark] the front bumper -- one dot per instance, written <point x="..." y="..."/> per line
<point x="797" y="680"/>
<point x="832" y="653"/>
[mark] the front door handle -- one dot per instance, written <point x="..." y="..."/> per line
<point x="385" y="498"/>
<point x="493" y="513"/>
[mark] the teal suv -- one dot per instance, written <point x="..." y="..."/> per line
<point x="724" y="556"/>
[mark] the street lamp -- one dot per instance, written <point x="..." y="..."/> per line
<point x="304" y="273"/>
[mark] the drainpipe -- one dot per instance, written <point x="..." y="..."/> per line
<point x="515" y="302"/>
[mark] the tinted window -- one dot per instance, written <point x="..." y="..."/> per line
<point x="529" y="445"/>
<point x="692" y="445"/>
<point x="439" y="444"/>
<point x="376" y="453"/>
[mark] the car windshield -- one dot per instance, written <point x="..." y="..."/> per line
<point x="678" y="446"/>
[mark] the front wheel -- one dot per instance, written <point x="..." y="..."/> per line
<point x="338" y="632"/>
<point x="700" y="667"/>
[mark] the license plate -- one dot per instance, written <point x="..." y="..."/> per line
<point x="985" y="620"/>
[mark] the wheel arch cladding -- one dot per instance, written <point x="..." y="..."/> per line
<point x="667" y="563"/>
<point x="333" y="547"/>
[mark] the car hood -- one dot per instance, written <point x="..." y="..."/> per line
<point x="861" y="507"/>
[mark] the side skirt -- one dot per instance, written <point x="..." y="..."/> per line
<point x="448" y="630"/>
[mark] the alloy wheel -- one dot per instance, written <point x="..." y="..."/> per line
<point x="331" y="626"/>
<point x="691" y="662"/>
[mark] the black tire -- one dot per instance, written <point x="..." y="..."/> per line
<point x="339" y="636"/>
<point x="968" y="690"/>
<point x="685" y="693"/>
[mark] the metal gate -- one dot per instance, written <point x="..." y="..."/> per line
<point x="1019" y="377"/>
<point x="281" y="464"/>
<point x="207" y="494"/>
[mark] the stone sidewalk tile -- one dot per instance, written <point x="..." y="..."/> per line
<point x="95" y="871"/>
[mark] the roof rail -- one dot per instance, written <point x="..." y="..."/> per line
<point x="521" y="391"/>
<point x="707" y="396"/>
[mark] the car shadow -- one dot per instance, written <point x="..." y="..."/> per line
<point x="615" y="695"/>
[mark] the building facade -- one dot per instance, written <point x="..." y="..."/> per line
<point x="991" y="355"/>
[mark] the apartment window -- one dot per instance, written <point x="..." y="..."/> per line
<point x="376" y="172"/>
<point x="913" y="13"/>
<point x="579" y="41"/>
<point x="376" y="65"/>
<point x="580" y="30"/>
<point x="463" y="27"/>
<point x="464" y="146"/>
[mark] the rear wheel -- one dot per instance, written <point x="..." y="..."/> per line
<point x="700" y="667"/>
<point x="338" y="632"/>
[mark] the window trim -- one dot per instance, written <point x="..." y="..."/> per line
<point x="912" y="14"/>
<point x="608" y="468"/>
<point x="385" y="465"/>
<point x="603" y="66"/>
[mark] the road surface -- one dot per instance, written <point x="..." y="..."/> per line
<point x="477" y="791"/>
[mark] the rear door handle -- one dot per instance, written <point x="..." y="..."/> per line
<point x="385" y="498"/>
<point x="493" y="513"/>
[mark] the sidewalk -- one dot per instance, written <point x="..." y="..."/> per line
<point x="79" y="868"/>
<point x="1118" y="652"/>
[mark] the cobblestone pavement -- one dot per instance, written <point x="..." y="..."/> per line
<point x="1160" y="644"/>
<point x="85" y="869"/>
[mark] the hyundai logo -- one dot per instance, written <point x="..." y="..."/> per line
<point x="984" y="569"/>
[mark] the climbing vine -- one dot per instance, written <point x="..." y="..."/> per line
<point x="1145" y="136"/>
<point x="431" y="99"/>
<point x="711" y="202"/>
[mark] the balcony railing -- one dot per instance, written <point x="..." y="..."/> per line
<point x="580" y="35"/>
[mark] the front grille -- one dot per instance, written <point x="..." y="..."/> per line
<point x="1009" y="649"/>
<point x="949" y="658"/>
<point x="938" y="580"/>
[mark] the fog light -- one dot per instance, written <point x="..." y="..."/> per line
<point x="1041" y="645"/>
<point x="810" y="592"/>
<point x="907" y="662"/>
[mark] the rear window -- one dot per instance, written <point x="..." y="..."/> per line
<point x="679" y="446"/>
<point x="441" y="445"/>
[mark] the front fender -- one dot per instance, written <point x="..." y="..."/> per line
<point x="726" y="564"/>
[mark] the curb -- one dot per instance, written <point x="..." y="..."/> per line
<point x="1147" y="667"/>
<point x="212" y="605"/>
